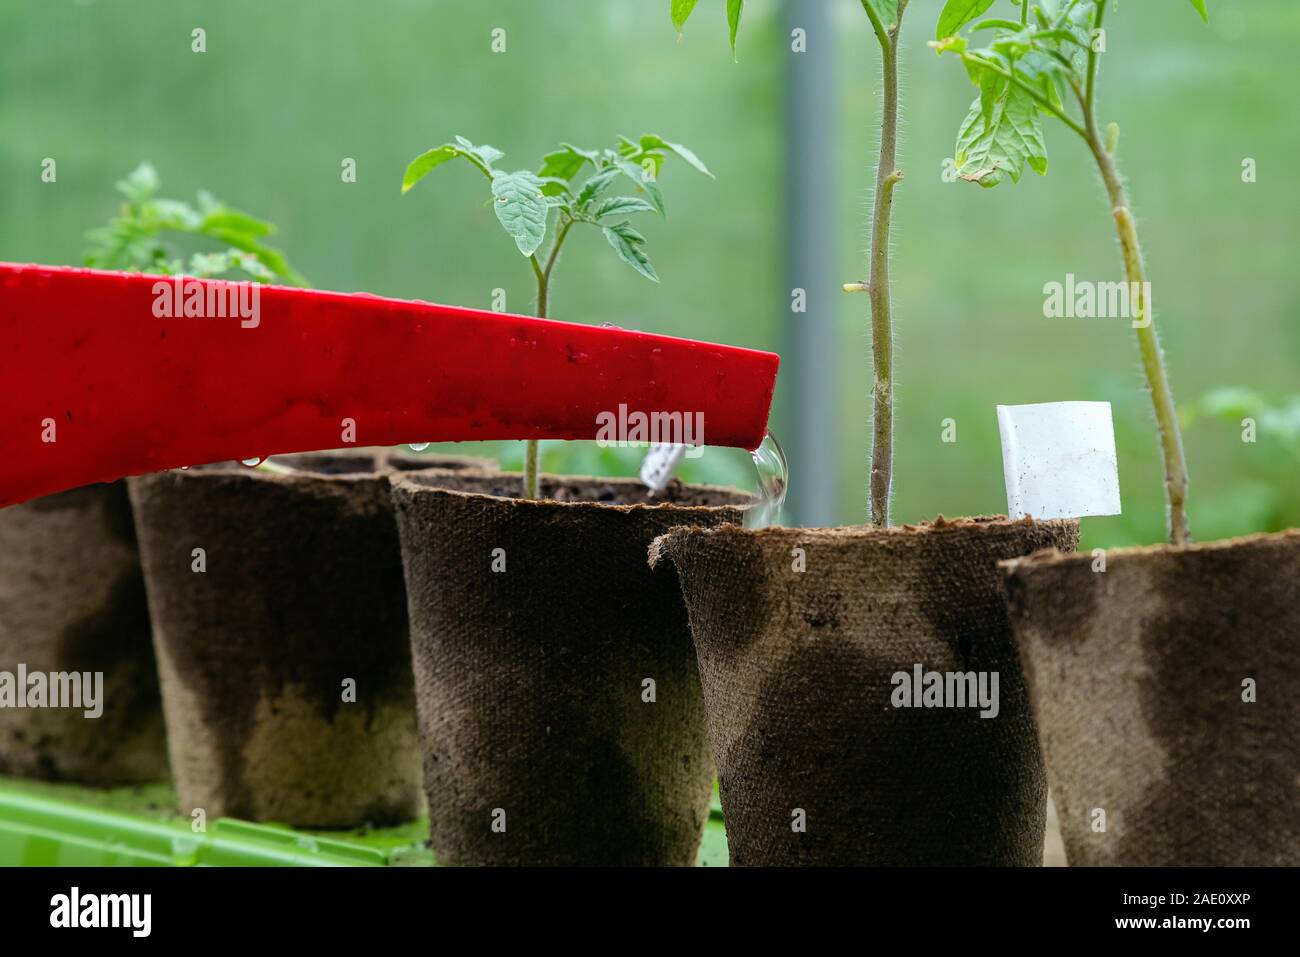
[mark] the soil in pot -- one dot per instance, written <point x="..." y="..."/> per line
<point x="282" y="645"/>
<point x="1164" y="689"/>
<point x="561" y="719"/>
<point x="829" y="751"/>
<point x="72" y="600"/>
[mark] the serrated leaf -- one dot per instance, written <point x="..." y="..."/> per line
<point x="566" y="162"/>
<point x="957" y="13"/>
<point x="1041" y="70"/>
<point x="1200" y="7"/>
<point x="594" y="185"/>
<point x="637" y="175"/>
<point x="991" y="86"/>
<point x="521" y="208"/>
<point x="621" y="206"/>
<point x="1004" y="143"/>
<point x="681" y="11"/>
<point x="627" y="242"/>
<point x="553" y="186"/>
<point x="652" y="142"/>
<point x="734" y="10"/>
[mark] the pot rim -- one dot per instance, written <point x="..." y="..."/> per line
<point x="409" y="483"/>
<point x="382" y="458"/>
<point x="1051" y="556"/>
<point x="854" y="535"/>
<point x="938" y="526"/>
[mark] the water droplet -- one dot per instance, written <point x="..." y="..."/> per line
<point x="418" y="446"/>
<point x="773" y="478"/>
<point x="254" y="462"/>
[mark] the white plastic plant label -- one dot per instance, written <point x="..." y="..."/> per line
<point x="1059" y="459"/>
<point x="659" y="464"/>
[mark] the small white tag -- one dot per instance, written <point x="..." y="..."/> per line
<point x="659" y="464"/>
<point x="1059" y="459"/>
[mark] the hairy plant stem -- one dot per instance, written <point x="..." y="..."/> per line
<point x="1162" y="398"/>
<point x="542" y="273"/>
<point x="882" y="341"/>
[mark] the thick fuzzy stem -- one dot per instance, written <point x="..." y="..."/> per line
<point x="1171" y="440"/>
<point x="882" y="341"/>
<point x="1153" y="363"/>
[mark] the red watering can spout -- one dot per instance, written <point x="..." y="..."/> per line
<point x="108" y="374"/>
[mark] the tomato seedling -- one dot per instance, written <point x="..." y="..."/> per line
<point x="1033" y="65"/>
<point x="524" y="202"/>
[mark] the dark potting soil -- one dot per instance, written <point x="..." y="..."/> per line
<point x="599" y="491"/>
<point x="1138" y="677"/>
<point x="302" y="591"/>
<point x="539" y="745"/>
<point x="801" y="634"/>
<point x="72" y="599"/>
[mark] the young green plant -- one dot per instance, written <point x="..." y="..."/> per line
<point x="145" y="234"/>
<point x="524" y="202"/>
<point x="886" y="17"/>
<point x="1034" y="64"/>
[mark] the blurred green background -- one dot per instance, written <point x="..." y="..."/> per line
<point x="287" y="90"/>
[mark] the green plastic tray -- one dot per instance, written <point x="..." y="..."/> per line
<point x="45" y="824"/>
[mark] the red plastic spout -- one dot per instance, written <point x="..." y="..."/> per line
<point x="107" y="374"/>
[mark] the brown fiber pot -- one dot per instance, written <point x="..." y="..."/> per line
<point x="540" y="746"/>
<point x="72" y="599"/>
<point x="302" y="592"/>
<point x="816" y="764"/>
<point x="1139" y="677"/>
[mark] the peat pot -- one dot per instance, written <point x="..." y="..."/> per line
<point x="864" y="699"/>
<point x="561" y="720"/>
<point x="72" y="602"/>
<point x="1164" y="682"/>
<point x="280" y="628"/>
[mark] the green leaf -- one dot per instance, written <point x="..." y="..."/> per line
<point x="521" y="207"/>
<point x="487" y="154"/>
<point x="1041" y="70"/>
<point x="734" y="9"/>
<point x="566" y="162"/>
<point x="273" y="259"/>
<point x="481" y="156"/>
<point x="651" y="142"/>
<point x="139" y="184"/>
<point x="594" y="185"/>
<point x="627" y="242"/>
<point x="957" y="13"/>
<point x="1200" y="8"/>
<point x="222" y="217"/>
<point x="621" y="206"/>
<point x="885" y="11"/>
<point x="637" y="175"/>
<point x="991" y="86"/>
<point x="681" y="10"/>
<point x="1003" y="143"/>
<point x="420" y="167"/>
